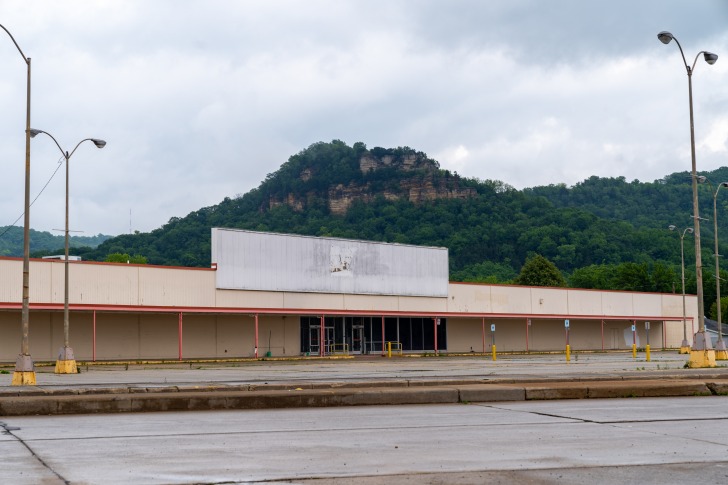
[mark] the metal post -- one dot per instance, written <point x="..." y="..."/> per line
<point x="696" y="224"/>
<point x="696" y="227"/>
<point x="528" y="324"/>
<point x="24" y="374"/>
<point x="602" y="335"/>
<point x="634" y="338"/>
<point x="684" y="345"/>
<point x="25" y="362"/>
<point x="492" y="340"/>
<point x="647" y="344"/>
<point x="383" y="350"/>
<point x="66" y="363"/>
<point x="702" y="353"/>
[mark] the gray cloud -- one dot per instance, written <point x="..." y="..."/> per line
<point x="200" y="100"/>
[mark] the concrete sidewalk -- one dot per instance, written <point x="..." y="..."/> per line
<point x="360" y="381"/>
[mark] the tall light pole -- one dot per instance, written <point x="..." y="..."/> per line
<point x="702" y="353"/>
<point x="24" y="374"/>
<point x="66" y="363"/>
<point x="720" y="350"/>
<point x="684" y="346"/>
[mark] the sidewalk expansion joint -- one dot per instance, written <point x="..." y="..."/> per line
<point x="8" y="430"/>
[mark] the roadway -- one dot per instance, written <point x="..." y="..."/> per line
<point x="648" y="440"/>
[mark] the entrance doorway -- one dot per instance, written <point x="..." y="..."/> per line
<point x="363" y="335"/>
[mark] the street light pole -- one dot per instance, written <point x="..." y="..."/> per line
<point x="684" y="346"/>
<point x="702" y="353"/>
<point x="66" y="363"/>
<point x="24" y="374"/>
<point x="720" y="350"/>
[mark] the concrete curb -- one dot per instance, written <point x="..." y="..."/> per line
<point x="198" y="398"/>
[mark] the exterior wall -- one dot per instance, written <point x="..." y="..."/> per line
<point x="122" y="336"/>
<point x="469" y="335"/>
<point x="533" y="301"/>
<point x="137" y="310"/>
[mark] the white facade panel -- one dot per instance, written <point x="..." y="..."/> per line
<point x="249" y="260"/>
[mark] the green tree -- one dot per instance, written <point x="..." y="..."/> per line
<point x="125" y="258"/>
<point x="539" y="271"/>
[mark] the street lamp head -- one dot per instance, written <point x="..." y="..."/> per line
<point x="701" y="179"/>
<point x="671" y="227"/>
<point x="98" y="143"/>
<point x="34" y="132"/>
<point x="724" y="184"/>
<point x="665" y="37"/>
<point x="690" y="230"/>
<point x="710" y="58"/>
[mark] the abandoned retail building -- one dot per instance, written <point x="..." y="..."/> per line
<point x="286" y="295"/>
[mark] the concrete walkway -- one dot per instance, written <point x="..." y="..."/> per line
<point x="111" y="388"/>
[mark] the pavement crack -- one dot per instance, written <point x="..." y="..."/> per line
<point x="621" y="424"/>
<point x="8" y="430"/>
<point x="536" y="413"/>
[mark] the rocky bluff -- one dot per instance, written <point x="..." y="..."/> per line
<point x="411" y="176"/>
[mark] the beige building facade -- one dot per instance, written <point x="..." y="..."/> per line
<point x="140" y="312"/>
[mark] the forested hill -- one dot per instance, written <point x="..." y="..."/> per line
<point x="640" y="203"/>
<point x="11" y="241"/>
<point x="589" y="231"/>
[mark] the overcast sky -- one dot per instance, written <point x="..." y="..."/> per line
<point x="199" y="100"/>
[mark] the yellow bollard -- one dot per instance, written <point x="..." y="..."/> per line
<point x="647" y="349"/>
<point x="568" y="353"/>
<point x="493" y="351"/>
<point x="389" y="349"/>
<point x="634" y="351"/>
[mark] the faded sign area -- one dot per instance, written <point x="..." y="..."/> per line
<point x="249" y="260"/>
<point x="341" y="260"/>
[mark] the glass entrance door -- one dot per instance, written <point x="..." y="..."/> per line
<point x="357" y="335"/>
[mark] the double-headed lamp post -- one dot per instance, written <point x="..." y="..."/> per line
<point x="702" y="353"/>
<point x="24" y="374"/>
<point x="684" y="346"/>
<point x="720" y="350"/>
<point x="66" y="363"/>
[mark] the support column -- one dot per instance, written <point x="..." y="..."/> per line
<point x="483" y="321"/>
<point x="322" y="336"/>
<point x="179" y="336"/>
<point x="256" y="335"/>
<point x="434" y="322"/>
<point x="602" y="335"/>
<point x="93" y="341"/>
<point x="383" y="353"/>
<point x="528" y="324"/>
